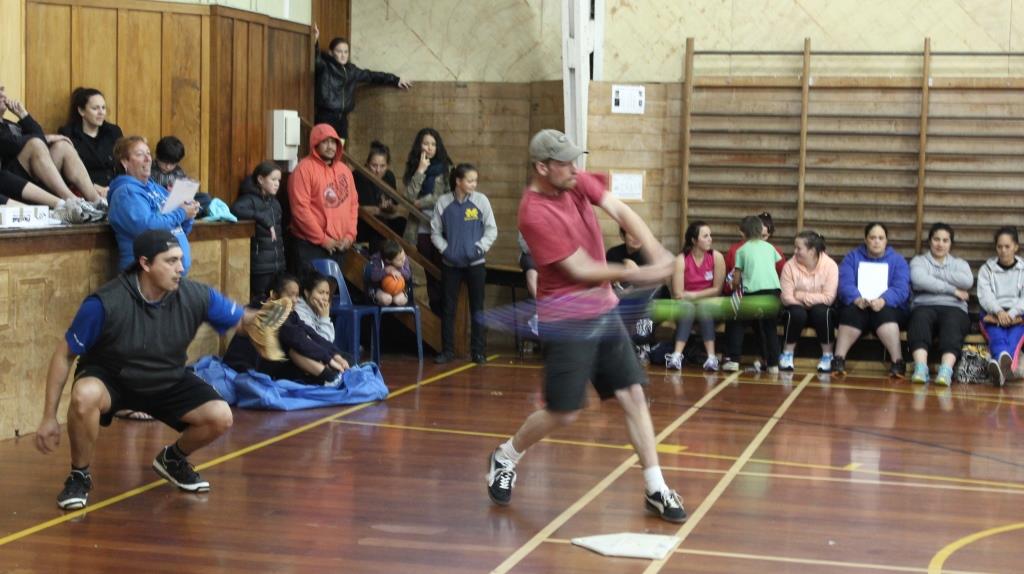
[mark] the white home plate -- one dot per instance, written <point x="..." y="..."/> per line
<point x="629" y="545"/>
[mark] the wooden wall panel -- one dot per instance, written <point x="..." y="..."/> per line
<point x="94" y="53"/>
<point x="48" y="77"/>
<point x="182" y="78"/>
<point x="256" y="111"/>
<point x="139" y="75"/>
<point x="221" y="78"/>
<point x="240" y="88"/>
<point x="487" y="124"/>
<point x="334" y="19"/>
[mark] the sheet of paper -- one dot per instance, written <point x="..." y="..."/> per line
<point x="183" y="190"/>
<point x="872" y="279"/>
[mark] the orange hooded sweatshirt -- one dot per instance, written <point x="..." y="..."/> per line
<point x="322" y="197"/>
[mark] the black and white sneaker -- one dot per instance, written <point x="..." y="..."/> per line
<point x="180" y="473"/>
<point x="995" y="373"/>
<point x="76" y="491"/>
<point x="500" y="480"/>
<point x="666" y="504"/>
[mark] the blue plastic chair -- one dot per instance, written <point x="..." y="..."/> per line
<point x="348" y="317"/>
<point x="392" y="309"/>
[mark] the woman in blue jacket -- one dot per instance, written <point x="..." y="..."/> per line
<point x="136" y="202"/>
<point x="874" y="295"/>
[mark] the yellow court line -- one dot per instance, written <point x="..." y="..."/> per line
<point x="853" y="467"/>
<point x="147" y="487"/>
<point x="935" y="566"/>
<point x="568" y="513"/>
<point x="790" y="560"/>
<point x="932" y="391"/>
<point x="726" y="480"/>
<point x="669" y="448"/>
<point x="848" y="480"/>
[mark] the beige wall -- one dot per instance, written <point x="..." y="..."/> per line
<point x="452" y="40"/>
<point x="12" y="47"/>
<point x="645" y="41"/>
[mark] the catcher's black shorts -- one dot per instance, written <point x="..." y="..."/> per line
<point x="167" y="405"/>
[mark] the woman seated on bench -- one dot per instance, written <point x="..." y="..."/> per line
<point x="699" y="274"/>
<point x="874" y="291"/>
<point x="940" y="282"/>
<point x="1001" y="296"/>
<point x="809" y="283"/>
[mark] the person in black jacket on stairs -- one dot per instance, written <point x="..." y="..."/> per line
<point x="336" y="79"/>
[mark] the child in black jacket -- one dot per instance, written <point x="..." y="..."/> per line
<point x="257" y="201"/>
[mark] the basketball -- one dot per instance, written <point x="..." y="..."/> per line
<point x="392" y="285"/>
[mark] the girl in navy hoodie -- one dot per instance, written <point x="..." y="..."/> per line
<point x="874" y="295"/>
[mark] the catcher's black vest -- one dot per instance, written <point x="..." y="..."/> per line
<point x="146" y="344"/>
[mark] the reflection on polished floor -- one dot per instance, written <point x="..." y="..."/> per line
<point x="786" y="473"/>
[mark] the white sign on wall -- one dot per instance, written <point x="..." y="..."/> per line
<point x="627" y="99"/>
<point x="628" y="186"/>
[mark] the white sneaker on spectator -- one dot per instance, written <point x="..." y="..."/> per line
<point x="730" y="366"/>
<point x="674" y="361"/>
<point x="711" y="364"/>
<point x="70" y="212"/>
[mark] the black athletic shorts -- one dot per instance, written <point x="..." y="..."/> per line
<point x="869" y="320"/>
<point x="166" y="406"/>
<point x="597" y="350"/>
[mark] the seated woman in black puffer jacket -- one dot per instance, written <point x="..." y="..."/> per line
<point x="312" y="359"/>
<point x="257" y="200"/>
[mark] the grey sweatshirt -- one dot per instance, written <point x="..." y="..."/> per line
<point x="935" y="283"/>
<point x="322" y="325"/>
<point x="1001" y="289"/>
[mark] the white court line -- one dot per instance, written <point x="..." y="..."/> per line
<point x="726" y="480"/>
<point x="524" y="550"/>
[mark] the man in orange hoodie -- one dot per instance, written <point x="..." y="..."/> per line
<point x="323" y="201"/>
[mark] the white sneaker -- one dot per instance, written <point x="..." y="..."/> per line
<point x="674" y="361"/>
<point x="711" y="364"/>
<point x="730" y="366"/>
<point x="825" y="364"/>
<point x="70" y="212"/>
<point x="786" y="361"/>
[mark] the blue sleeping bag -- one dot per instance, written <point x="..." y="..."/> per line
<point x="255" y="390"/>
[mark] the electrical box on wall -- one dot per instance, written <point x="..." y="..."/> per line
<point x="283" y="137"/>
<point x="627" y="99"/>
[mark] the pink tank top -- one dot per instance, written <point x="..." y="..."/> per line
<point x="696" y="278"/>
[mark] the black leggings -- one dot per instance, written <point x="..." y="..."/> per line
<point x="951" y="325"/>
<point x="821" y="317"/>
<point x="764" y="329"/>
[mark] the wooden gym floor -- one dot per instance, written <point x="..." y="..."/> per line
<point x="780" y="474"/>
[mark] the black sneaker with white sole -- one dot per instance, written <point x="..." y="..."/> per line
<point x="666" y="504"/>
<point x="180" y="473"/>
<point x="76" y="491"/>
<point x="995" y="373"/>
<point x="500" y="480"/>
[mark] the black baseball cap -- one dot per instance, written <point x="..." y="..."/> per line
<point x="151" y="243"/>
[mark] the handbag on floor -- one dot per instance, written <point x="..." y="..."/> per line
<point x="972" y="368"/>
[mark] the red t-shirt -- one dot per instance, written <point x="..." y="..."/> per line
<point x="554" y="228"/>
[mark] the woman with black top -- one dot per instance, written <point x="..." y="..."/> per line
<point x="426" y="180"/>
<point x="373" y="200"/>
<point x="92" y="136"/>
